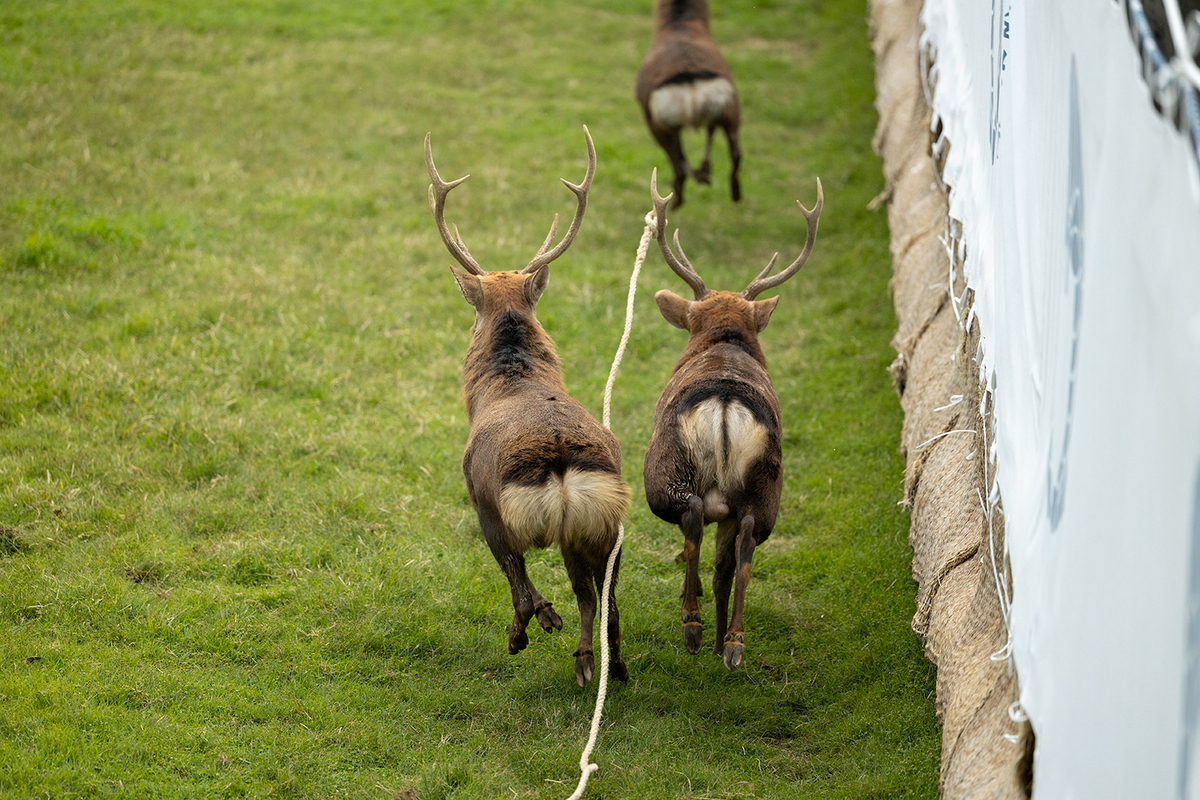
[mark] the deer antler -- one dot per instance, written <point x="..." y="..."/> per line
<point x="545" y="256"/>
<point x="437" y="201"/>
<point x="811" y="218"/>
<point x="680" y="265"/>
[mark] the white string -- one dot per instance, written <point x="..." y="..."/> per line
<point x="989" y="508"/>
<point x="1017" y="714"/>
<point x="940" y="435"/>
<point x="955" y="399"/>
<point x="586" y="768"/>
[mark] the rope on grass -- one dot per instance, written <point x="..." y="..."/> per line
<point x="586" y="768"/>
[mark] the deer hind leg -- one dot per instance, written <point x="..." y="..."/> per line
<point x="735" y="639"/>
<point x="735" y="156"/>
<point x="523" y="593"/>
<point x="692" y="525"/>
<point x="526" y="599"/>
<point x="671" y="141"/>
<point x="616" y="664"/>
<point x="582" y="576"/>
<point x="703" y="174"/>
<point x="544" y="611"/>
<point x="723" y="568"/>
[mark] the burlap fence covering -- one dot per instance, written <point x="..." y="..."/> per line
<point x="944" y="439"/>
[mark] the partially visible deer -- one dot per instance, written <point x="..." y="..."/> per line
<point x="685" y="82"/>
<point x="716" y="455"/>
<point x="539" y="469"/>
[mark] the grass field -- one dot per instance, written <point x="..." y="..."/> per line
<point x="236" y="553"/>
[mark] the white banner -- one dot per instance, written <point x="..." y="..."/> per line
<point x="1080" y="211"/>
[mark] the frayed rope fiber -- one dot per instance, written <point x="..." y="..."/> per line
<point x="586" y="768"/>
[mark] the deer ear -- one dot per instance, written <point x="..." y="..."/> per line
<point x="470" y="286"/>
<point x="762" y="312"/>
<point x="673" y="307"/>
<point x="536" y="283"/>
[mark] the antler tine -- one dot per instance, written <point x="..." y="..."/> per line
<point x="549" y="236"/>
<point x="767" y="269"/>
<point x="543" y="256"/>
<point x="684" y="269"/>
<point x="462" y="244"/>
<point x="437" y="201"/>
<point x="811" y="218"/>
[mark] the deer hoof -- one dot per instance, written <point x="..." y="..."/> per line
<point x="693" y="632"/>
<point x="585" y="666"/>
<point x="702" y="175"/>
<point x="618" y="670"/>
<point x="518" y="640"/>
<point x="734" y="648"/>
<point x="548" y="618"/>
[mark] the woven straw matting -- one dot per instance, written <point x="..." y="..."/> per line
<point x="958" y="606"/>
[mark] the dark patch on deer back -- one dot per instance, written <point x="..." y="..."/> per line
<point x="689" y="77"/>
<point x="516" y="347"/>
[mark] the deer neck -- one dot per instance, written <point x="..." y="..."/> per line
<point x="680" y="13"/>
<point x="509" y="351"/>
<point x="737" y="338"/>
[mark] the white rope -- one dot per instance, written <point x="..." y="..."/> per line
<point x="586" y="768"/>
<point x="643" y="246"/>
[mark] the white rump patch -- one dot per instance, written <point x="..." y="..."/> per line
<point x="581" y="507"/>
<point x="693" y="104"/>
<point x="720" y="467"/>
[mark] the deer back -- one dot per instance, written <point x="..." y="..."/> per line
<point x="683" y="48"/>
<point x="534" y="455"/>
<point x="717" y="425"/>
<point x="530" y="442"/>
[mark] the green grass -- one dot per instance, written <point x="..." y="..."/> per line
<point x="236" y="554"/>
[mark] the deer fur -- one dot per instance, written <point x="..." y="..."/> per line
<point x="684" y="82"/>
<point x="716" y="452"/>
<point x="539" y="469"/>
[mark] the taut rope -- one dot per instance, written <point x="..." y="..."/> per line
<point x="586" y="768"/>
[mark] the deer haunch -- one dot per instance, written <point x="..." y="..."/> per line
<point x="577" y="509"/>
<point x="723" y="440"/>
<point x="693" y="103"/>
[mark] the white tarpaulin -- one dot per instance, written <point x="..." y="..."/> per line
<point x="1080" y="211"/>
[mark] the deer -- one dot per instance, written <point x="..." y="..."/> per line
<point x="715" y="454"/>
<point x="684" y="81"/>
<point x="539" y="469"/>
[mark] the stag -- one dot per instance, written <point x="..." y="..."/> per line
<point x="539" y="469"/>
<point x="716" y="455"/>
<point x="685" y="82"/>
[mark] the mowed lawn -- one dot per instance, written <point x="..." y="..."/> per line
<point x="236" y="553"/>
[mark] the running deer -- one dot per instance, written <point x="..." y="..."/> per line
<point x="716" y="455"/>
<point x="539" y="469"/>
<point x="685" y="82"/>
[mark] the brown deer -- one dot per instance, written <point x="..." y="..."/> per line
<point x="716" y="455"/>
<point x="539" y="469"/>
<point x="685" y="82"/>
